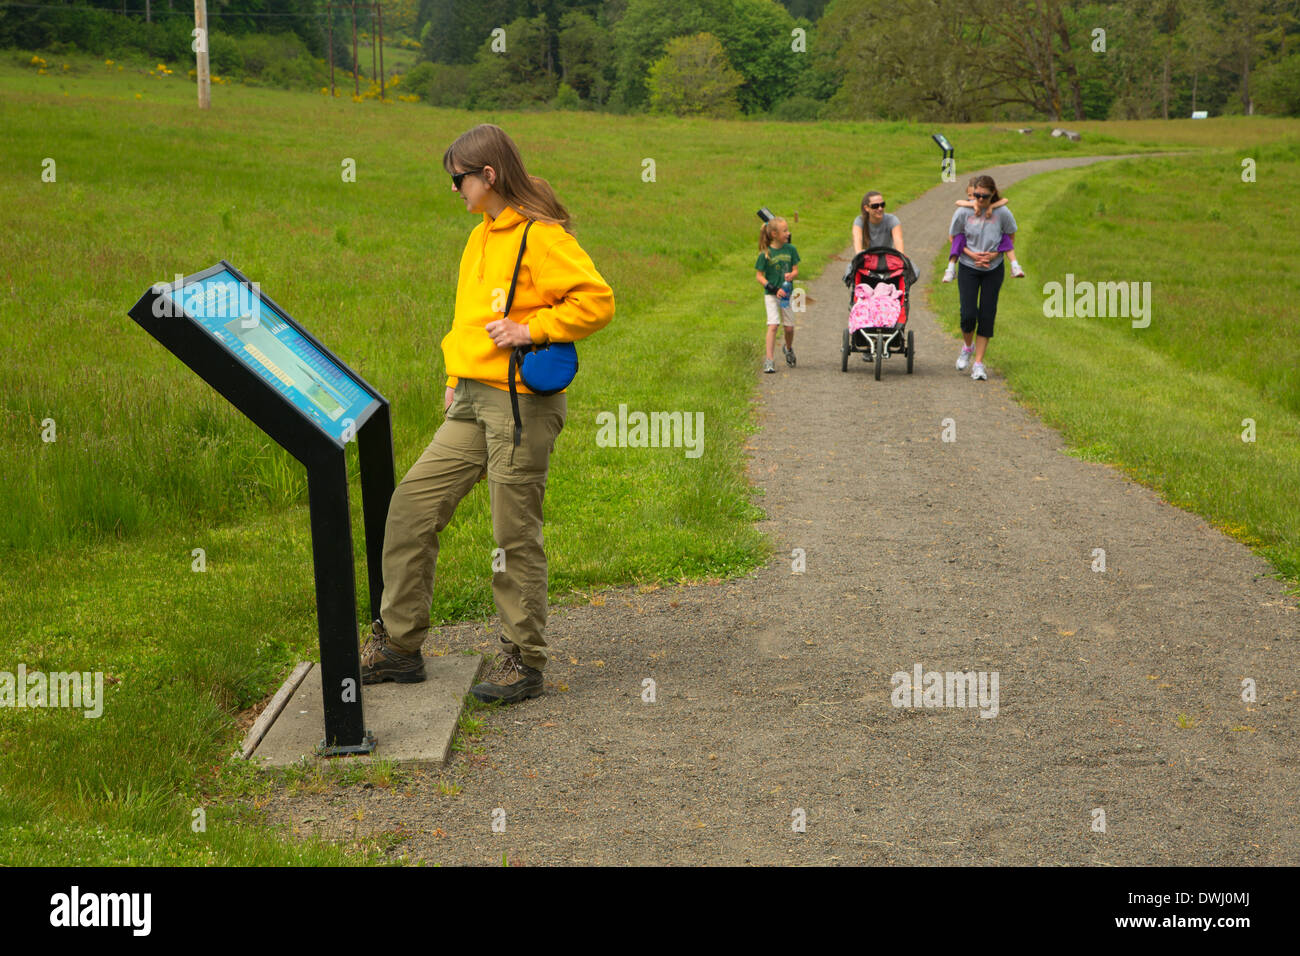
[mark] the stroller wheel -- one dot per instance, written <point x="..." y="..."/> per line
<point x="844" y="352"/>
<point x="880" y="356"/>
<point x="911" y="351"/>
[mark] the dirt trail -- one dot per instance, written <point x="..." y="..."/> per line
<point x="773" y="692"/>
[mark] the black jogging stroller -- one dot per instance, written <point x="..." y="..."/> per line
<point x="871" y="267"/>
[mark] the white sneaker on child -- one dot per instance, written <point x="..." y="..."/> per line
<point x="1016" y="271"/>
<point x="949" y="272"/>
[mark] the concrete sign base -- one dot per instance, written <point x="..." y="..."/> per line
<point x="413" y="723"/>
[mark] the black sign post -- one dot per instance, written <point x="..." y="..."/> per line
<point x="292" y="387"/>
<point x="947" y="167"/>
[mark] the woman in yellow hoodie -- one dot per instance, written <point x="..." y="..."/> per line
<point x="559" y="297"/>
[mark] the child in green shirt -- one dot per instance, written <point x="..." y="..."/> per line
<point x="777" y="267"/>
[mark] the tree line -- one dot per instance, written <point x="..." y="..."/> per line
<point x="962" y="60"/>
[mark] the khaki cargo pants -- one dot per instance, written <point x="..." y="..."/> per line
<point x="477" y="439"/>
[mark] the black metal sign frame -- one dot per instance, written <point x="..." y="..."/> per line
<point x="161" y="313"/>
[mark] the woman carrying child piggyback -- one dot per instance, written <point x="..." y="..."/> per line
<point x="1008" y="241"/>
<point x="980" y="270"/>
<point x="777" y="267"/>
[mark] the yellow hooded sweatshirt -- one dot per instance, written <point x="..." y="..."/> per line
<point x="560" y="295"/>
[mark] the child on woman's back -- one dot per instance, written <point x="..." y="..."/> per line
<point x="777" y="267"/>
<point x="969" y="202"/>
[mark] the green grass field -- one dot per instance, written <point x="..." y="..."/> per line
<point x="149" y="464"/>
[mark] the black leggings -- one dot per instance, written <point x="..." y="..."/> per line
<point x="979" y="297"/>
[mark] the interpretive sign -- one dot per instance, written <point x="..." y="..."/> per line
<point x="296" y="390"/>
<point x="258" y="333"/>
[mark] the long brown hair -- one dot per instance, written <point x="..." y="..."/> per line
<point x="767" y="234"/>
<point x="488" y="145"/>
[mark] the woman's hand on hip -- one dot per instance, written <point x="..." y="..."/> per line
<point x="451" y="394"/>
<point x="506" y="333"/>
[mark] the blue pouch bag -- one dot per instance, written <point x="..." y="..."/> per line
<point x="547" y="369"/>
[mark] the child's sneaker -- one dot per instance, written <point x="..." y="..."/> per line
<point x="977" y="373"/>
<point x="963" y="360"/>
<point x="789" y="355"/>
<point x="1016" y="271"/>
<point x="769" y="365"/>
<point x="950" y="272"/>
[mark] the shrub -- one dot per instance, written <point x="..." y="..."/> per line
<point x="262" y="50"/>
<point x="418" y="78"/>
<point x="566" y="98"/>
<point x="438" y="84"/>
<point x="797" y="109"/>
<point x="225" y="57"/>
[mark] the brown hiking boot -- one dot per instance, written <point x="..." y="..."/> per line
<point x="519" y="682"/>
<point x="503" y="664"/>
<point x="380" y="661"/>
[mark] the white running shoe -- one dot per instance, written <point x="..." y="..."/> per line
<point x="950" y="272"/>
<point x="1016" y="271"/>
<point x="977" y="373"/>
<point x="963" y="360"/>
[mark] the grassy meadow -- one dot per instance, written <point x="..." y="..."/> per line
<point x="148" y="464"/>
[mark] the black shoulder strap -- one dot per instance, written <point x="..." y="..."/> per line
<point x="515" y="357"/>
<point x="510" y="296"/>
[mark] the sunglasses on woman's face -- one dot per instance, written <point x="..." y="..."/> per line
<point x="875" y="205"/>
<point x="982" y="195"/>
<point x="458" y="178"/>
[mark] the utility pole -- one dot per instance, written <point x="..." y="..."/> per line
<point x="201" y="53"/>
<point x="376" y="13"/>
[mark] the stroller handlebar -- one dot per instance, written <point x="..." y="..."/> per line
<point x="909" y="270"/>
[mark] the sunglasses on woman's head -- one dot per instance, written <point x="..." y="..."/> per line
<point x="982" y="195"/>
<point x="458" y="178"/>
<point x="875" y="205"/>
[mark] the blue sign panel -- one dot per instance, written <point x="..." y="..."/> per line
<point x="253" y="330"/>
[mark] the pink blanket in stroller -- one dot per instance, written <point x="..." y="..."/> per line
<point x="877" y="308"/>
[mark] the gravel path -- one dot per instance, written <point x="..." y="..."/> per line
<point x="774" y="692"/>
